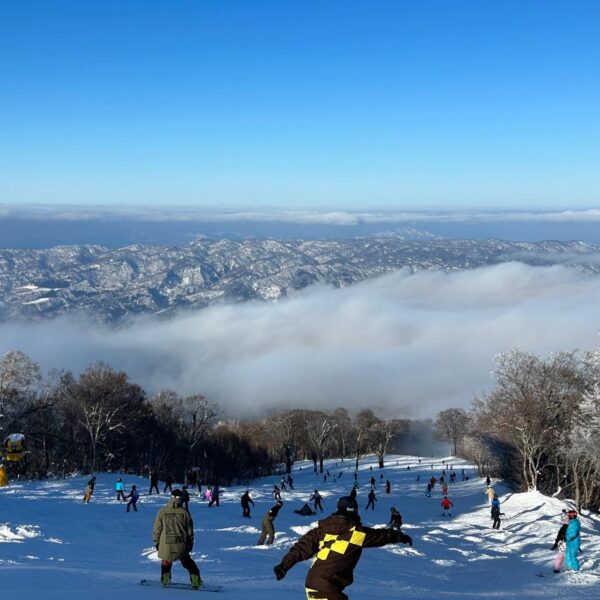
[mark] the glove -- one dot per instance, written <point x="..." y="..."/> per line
<point x="279" y="572"/>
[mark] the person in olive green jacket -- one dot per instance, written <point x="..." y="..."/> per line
<point x="268" y="529"/>
<point x="173" y="537"/>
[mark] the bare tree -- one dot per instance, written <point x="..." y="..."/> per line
<point x="320" y="430"/>
<point x="382" y="433"/>
<point x="451" y="426"/>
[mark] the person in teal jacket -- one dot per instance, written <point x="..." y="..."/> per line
<point x="573" y="541"/>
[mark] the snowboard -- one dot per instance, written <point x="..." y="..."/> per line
<point x="183" y="586"/>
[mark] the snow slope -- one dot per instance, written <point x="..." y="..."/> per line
<point x="53" y="546"/>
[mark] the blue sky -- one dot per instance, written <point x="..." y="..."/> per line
<point x="406" y="103"/>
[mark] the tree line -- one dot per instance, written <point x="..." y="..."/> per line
<point x="539" y="427"/>
<point x="100" y="420"/>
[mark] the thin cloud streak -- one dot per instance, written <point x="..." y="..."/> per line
<point x="408" y="344"/>
<point x="301" y="217"/>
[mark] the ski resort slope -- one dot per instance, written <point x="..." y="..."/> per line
<point x="52" y="546"/>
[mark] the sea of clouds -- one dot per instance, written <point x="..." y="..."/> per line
<point x="404" y="344"/>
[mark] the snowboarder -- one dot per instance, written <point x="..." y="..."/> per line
<point x="488" y="481"/>
<point x="573" y="541"/>
<point x="134" y="497"/>
<point x="395" y="519"/>
<point x="560" y="543"/>
<point x="89" y="490"/>
<point x="173" y="537"/>
<point x="446" y="505"/>
<point x="496" y="514"/>
<point x="120" y="489"/>
<point x="268" y="527"/>
<point x="388" y="486"/>
<point x="337" y="542"/>
<point x="214" y="496"/>
<point x="246" y="501"/>
<point x="153" y="482"/>
<point x="372" y="500"/>
<point x="168" y="484"/>
<point x="305" y="511"/>
<point x="276" y="493"/>
<point x="316" y="498"/>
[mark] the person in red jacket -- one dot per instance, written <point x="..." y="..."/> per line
<point x="446" y="505"/>
<point x="337" y="542"/>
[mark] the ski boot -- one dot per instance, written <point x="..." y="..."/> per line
<point x="196" y="581"/>
<point x="165" y="579"/>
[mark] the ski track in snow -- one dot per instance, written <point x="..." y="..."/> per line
<point x="52" y="546"/>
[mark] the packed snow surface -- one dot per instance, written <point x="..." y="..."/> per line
<point x="54" y="546"/>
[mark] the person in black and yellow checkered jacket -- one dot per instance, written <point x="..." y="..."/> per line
<point x="336" y="543"/>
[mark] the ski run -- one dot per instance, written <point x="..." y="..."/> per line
<point x="52" y="545"/>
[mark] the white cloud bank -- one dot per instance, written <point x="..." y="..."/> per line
<point x="409" y="344"/>
<point x="302" y="217"/>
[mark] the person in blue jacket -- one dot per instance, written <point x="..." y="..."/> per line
<point x="573" y="541"/>
<point x="120" y="489"/>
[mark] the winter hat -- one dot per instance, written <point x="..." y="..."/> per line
<point x="346" y="505"/>
<point x="176" y="493"/>
<point x="572" y="514"/>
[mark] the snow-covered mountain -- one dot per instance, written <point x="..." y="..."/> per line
<point x="52" y="546"/>
<point x="112" y="284"/>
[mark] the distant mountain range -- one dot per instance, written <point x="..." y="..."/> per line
<point x="114" y="284"/>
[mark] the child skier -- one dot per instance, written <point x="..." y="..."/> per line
<point x="316" y="498"/>
<point x="560" y="544"/>
<point x="446" y="505"/>
<point x="134" y="495"/>
<point x="572" y="538"/>
<point x="496" y="513"/>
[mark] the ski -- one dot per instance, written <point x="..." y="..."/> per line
<point x="183" y="586"/>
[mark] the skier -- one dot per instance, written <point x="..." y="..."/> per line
<point x="89" y="490"/>
<point x="496" y="514"/>
<point x="173" y="537"/>
<point x="490" y="493"/>
<point x="573" y="541"/>
<point x="446" y="505"/>
<point x="268" y="528"/>
<point x="372" y="482"/>
<point x="276" y="493"/>
<point x="395" y="519"/>
<point x="168" y="484"/>
<point x="214" y="496"/>
<point x="337" y="542"/>
<point x="153" y="482"/>
<point x="316" y="498"/>
<point x="488" y="481"/>
<point x="134" y="495"/>
<point x="388" y="486"/>
<point x="246" y="501"/>
<point x="185" y="497"/>
<point x="120" y="489"/>
<point x="560" y="544"/>
<point x="282" y="485"/>
<point x="372" y="500"/>
<point x="305" y="511"/>
<point x="428" y="490"/>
